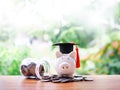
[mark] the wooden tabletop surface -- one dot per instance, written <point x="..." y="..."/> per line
<point x="101" y="82"/>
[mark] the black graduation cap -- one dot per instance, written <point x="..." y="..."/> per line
<point x="66" y="48"/>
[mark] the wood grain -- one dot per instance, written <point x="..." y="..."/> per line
<point x="101" y="82"/>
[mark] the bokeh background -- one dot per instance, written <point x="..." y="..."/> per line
<point x="28" y="28"/>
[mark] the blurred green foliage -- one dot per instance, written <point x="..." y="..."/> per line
<point x="105" y="61"/>
<point x="74" y="34"/>
<point x="10" y="59"/>
<point x="109" y="59"/>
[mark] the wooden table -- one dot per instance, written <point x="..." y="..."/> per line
<point x="101" y="82"/>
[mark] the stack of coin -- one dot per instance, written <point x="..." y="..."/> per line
<point x="56" y="79"/>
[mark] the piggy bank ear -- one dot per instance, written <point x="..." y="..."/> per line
<point x="58" y="54"/>
<point x="72" y="54"/>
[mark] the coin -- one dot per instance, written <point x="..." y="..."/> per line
<point x="45" y="80"/>
<point x="76" y="76"/>
<point x="56" y="81"/>
<point x="66" y="80"/>
<point x="46" y="77"/>
<point x="55" y="77"/>
<point x="88" y="79"/>
<point x="78" y="79"/>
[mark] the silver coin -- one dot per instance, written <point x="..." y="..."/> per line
<point x="47" y="80"/>
<point x="66" y="80"/>
<point x="78" y="79"/>
<point x="56" y="81"/>
<point x="88" y="79"/>
<point x="76" y="76"/>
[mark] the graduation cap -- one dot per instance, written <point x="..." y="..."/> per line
<point x="66" y="48"/>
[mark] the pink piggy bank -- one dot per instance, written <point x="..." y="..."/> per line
<point x="65" y="65"/>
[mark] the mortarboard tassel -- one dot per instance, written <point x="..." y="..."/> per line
<point x="77" y="58"/>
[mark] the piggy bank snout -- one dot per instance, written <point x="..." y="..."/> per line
<point x="64" y="66"/>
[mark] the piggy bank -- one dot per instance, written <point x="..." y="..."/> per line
<point x="65" y="64"/>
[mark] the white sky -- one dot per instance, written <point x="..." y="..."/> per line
<point x="39" y="13"/>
